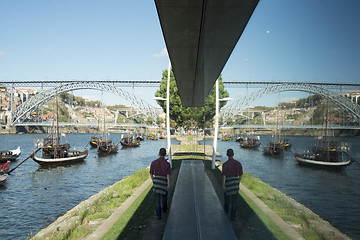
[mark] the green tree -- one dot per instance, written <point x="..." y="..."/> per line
<point x="189" y="116"/>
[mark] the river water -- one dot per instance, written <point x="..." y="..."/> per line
<point x="34" y="196"/>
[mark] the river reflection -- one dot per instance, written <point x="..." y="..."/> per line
<point x="334" y="195"/>
<point x="34" y="196"/>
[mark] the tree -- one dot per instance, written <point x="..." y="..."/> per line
<point x="189" y="116"/>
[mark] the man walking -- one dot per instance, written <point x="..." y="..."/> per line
<point x="232" y="172"/>
<point x="160" y="175"/>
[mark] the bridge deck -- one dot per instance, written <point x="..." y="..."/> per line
<point x="196" y="211"/>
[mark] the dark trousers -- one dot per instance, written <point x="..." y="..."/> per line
<point x="160" y="203"/>
<point x="230" y="202"/>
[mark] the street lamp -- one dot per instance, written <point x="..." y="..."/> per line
<point x="167" y="114"/>
<point x="217" y="100"/>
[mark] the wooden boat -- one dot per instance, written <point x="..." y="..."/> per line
<point x="10" y="155"/>
<point x="274" y="148"/>
<point x="239" y="138"/>
<point x="139" y="137"/>
<point x="94" y="141"/>
<point x="50" y="145"/>
<point x="329" y="153"/>
<point x="151" y="137"/>
<point x="129" y="141"/>
<point x="227" y="138"/>
<point x="54" y="153"/>
<point x="285" y="143"/>
<point x="250" y="142"/>
<point x="318" y="161"/>
<point x="107" y="147"/>
<point x="3" y="179"/>
<point x="64" y="157"/>
<point x="4" y="168"/>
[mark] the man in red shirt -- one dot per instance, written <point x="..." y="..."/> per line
<point x="160" y="175"/>
<point x="232" y="172"/>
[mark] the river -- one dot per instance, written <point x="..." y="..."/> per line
<point x="34" y="196"/>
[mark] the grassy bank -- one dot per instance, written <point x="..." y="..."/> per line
<point x="304" y="221"/>
<point x="137" y="220"/>
<point x="84" y="218"/>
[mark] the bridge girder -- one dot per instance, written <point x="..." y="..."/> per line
<point x="342" y="101"/>
<point x="24" y="110"/>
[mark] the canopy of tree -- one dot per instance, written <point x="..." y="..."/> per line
<point x="189" y="116"/>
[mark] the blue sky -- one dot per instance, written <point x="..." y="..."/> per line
<point x="309" y="40"/>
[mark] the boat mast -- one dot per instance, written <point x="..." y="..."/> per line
<point x="104" y="127"/>
<point x="57" y="122"/>
<point x="326" y="129"/>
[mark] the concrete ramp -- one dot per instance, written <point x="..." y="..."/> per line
<point x="196" y="211"/>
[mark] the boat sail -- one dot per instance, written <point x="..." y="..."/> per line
<point x="54" y="153"/>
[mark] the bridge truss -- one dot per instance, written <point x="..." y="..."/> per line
<point x="23" y="111"/>
<point x="345" y="103"/>
<point x="114" y="86"/>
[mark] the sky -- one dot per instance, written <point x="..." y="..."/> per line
<point x="285" y="40"/>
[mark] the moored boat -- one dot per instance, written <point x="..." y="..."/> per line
<point x="285" y="143"/>
<point x="67" y="157"/>
<point x="94" y="141"/>
<point x="313" y="160"/>
<point x="4" y="168"/>
<point x="152" y="137"/>
<point x="3" y="178"/>
<point x="330" y="155"/>
<point x="129" y="141"/>
<point x="10" y="155"/>
<point x="139" y="137"/>
<point x="250" y="142"/>
<point x="107" y="147"/>
<point x="54" y="153"/>
<point x="274" y="148"/>
<point x="50" y="145"/>
<point x="239" y="138"/>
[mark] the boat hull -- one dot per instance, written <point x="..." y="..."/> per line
<point x="126" y="145"/>
<point x="129" y="142"/>
<point x="4" y="168"/>
<point x="108" y="150"/>
<point x="61" y="161"/>
<point x="10" y="155"/>
<point x="3" y="179"/>
<point x="310" y="160"/>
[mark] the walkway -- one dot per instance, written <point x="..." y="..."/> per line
<point x="196" y="211"/>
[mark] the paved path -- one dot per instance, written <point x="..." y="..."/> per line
<point x="196" y="211"/>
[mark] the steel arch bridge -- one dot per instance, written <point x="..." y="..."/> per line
<point x="340" y="100"/>
<point x="23" y="111"/>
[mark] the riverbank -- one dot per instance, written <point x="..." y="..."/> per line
<point x="138" y="218"/>
<point x="154" y="130"/>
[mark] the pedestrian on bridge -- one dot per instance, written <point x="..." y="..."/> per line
<point x="160" y="175"/>
<point x="232" y="172"/>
